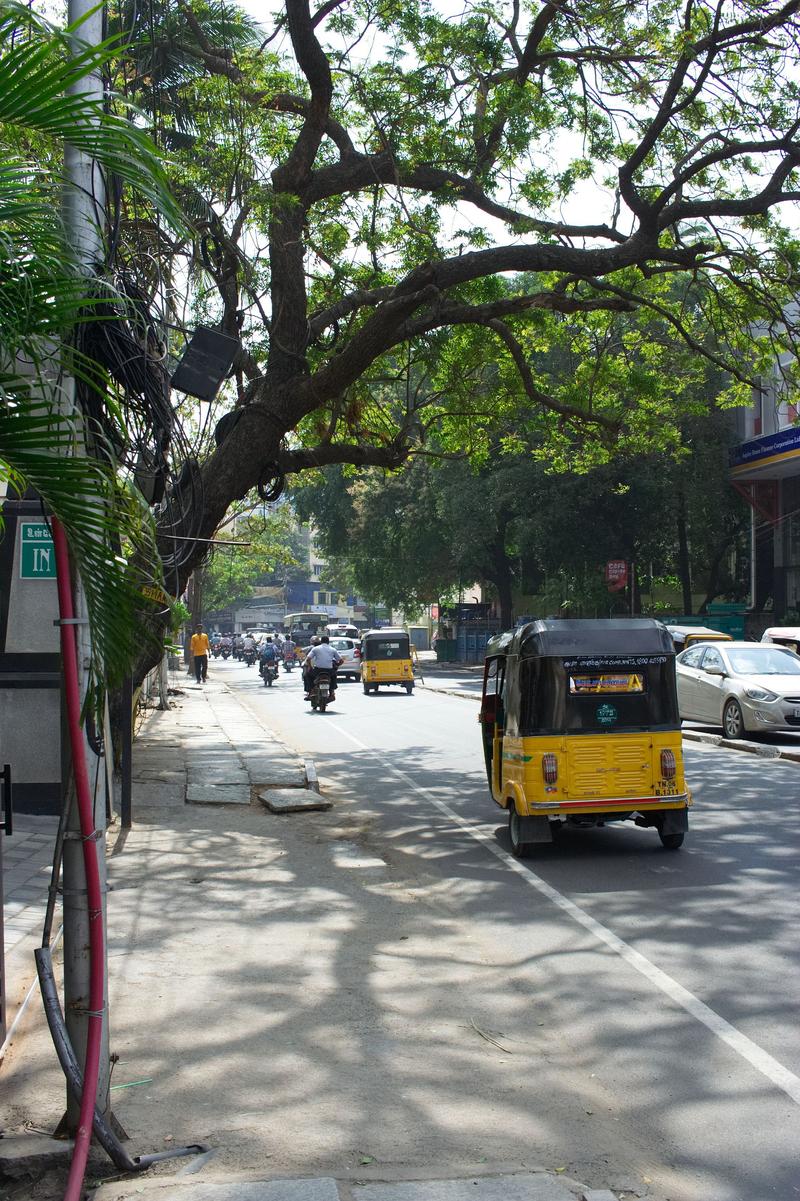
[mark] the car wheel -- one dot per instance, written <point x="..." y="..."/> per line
<point x="671" y="842"/>
<point x="521" y="850"/>
<point x="366" y="689"/>
<point x="409" y="688"/>
<point x="733" y="720"/>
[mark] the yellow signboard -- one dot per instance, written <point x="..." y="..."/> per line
<point x="154" y="593"/>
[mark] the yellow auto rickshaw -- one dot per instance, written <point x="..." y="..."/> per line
<point x="580" y="727"/>
<point x="686" y="636"/>
<point x="386" y="659"/>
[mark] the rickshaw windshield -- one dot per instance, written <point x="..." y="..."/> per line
<point x="597" y="694"/>
<point x="391" y="647"/>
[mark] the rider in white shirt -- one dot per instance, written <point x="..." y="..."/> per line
<point x="321" y="657"/>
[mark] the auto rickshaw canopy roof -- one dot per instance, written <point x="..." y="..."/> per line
<point x="557" y="637"/>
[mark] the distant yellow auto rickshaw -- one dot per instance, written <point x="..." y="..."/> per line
<point x="580" y="727"/>
<point x="386" y="659"/>
<point x="686" y="636"/>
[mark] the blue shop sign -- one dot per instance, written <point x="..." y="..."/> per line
<point x="784" y="442"/>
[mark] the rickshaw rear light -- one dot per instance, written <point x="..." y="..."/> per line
<point x="549" y="768"/>
<point x="668" y="768"/>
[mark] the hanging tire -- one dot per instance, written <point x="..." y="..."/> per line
<point x="671" y="842"/>
<point x="521" y="850"/>
<point x="733" y="720"/>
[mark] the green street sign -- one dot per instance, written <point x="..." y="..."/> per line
<point x="37" y="556"/>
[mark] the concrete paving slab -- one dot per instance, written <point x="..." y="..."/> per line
<point x="218" y="794"/>
<point x="154" y="794"/>
<point x="320" y="1189"/>
<point x="292" y="800"/>
<point x="280" y="775"/>
<point x="232" y="773"/>
<point x="525" y="1187"/>
<point x="26" y="1153"/>
<point x="171" y="776"/>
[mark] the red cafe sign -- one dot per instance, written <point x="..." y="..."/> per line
<point x="616" y="574"/>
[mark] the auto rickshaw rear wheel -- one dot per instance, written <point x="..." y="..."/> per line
<point x="671" y="842"/>
<point x="521" y="850"/>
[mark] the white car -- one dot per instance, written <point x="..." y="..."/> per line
<point x="350" y="650"/>
<point x="745" y="687"/>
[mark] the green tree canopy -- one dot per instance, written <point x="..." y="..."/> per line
<point x="403" y="211"/>
<point x="433" y="528"/>
<point x="263" y="545"/>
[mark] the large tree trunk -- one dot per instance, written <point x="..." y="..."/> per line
<point x="501" y="576"/>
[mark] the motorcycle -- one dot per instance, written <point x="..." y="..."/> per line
<point x="225" y="651"/>
<point x="321" y="692"/>
<point x="289" y="661"/>
<point x="249" y="657"/>
<point x="269" y="672"/>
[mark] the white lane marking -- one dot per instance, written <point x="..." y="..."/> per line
<point x="756" y="1056"/>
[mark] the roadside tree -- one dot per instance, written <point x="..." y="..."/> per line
<point x="370" y="219"/>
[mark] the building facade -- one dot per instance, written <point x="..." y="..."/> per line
<point x="765" y="469"/>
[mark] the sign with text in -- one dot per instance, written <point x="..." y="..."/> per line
<point x="616" y="574"/>
<point x="37" y="556"/>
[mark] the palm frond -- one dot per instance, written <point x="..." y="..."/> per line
<point x="37" y="448"/>
<point x="41" y="77"/>
<point x="43" y="298"/>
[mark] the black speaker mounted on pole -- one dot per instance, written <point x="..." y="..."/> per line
<point x="205" y="363"/>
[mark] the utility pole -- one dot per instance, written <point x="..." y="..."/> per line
<point x="83" y="218"/>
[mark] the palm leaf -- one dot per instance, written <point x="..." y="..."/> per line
<point x="41" y="74"/>
<point x="37" y="448"/>
<point x="43" y="297"/>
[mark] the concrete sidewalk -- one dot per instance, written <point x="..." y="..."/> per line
<point x="27" y="869"/>
<point x="248" y="997"/>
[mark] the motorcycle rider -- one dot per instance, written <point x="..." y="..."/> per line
<point x="321" y="657"/>
<point x="289" y="651"/>
<point x="268" y="655"/>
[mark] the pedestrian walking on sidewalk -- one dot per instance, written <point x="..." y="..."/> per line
<point x="199" y="650"/>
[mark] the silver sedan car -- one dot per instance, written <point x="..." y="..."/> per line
<point x="350" y="650"/>
<point x="745" y="687"/>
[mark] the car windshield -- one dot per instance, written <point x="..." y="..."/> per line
<point x="764" y="661"/>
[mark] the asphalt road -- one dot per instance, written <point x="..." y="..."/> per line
<point x="652" y="995"/>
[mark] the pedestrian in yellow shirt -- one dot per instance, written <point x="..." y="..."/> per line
<point x="199" y="649"/>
